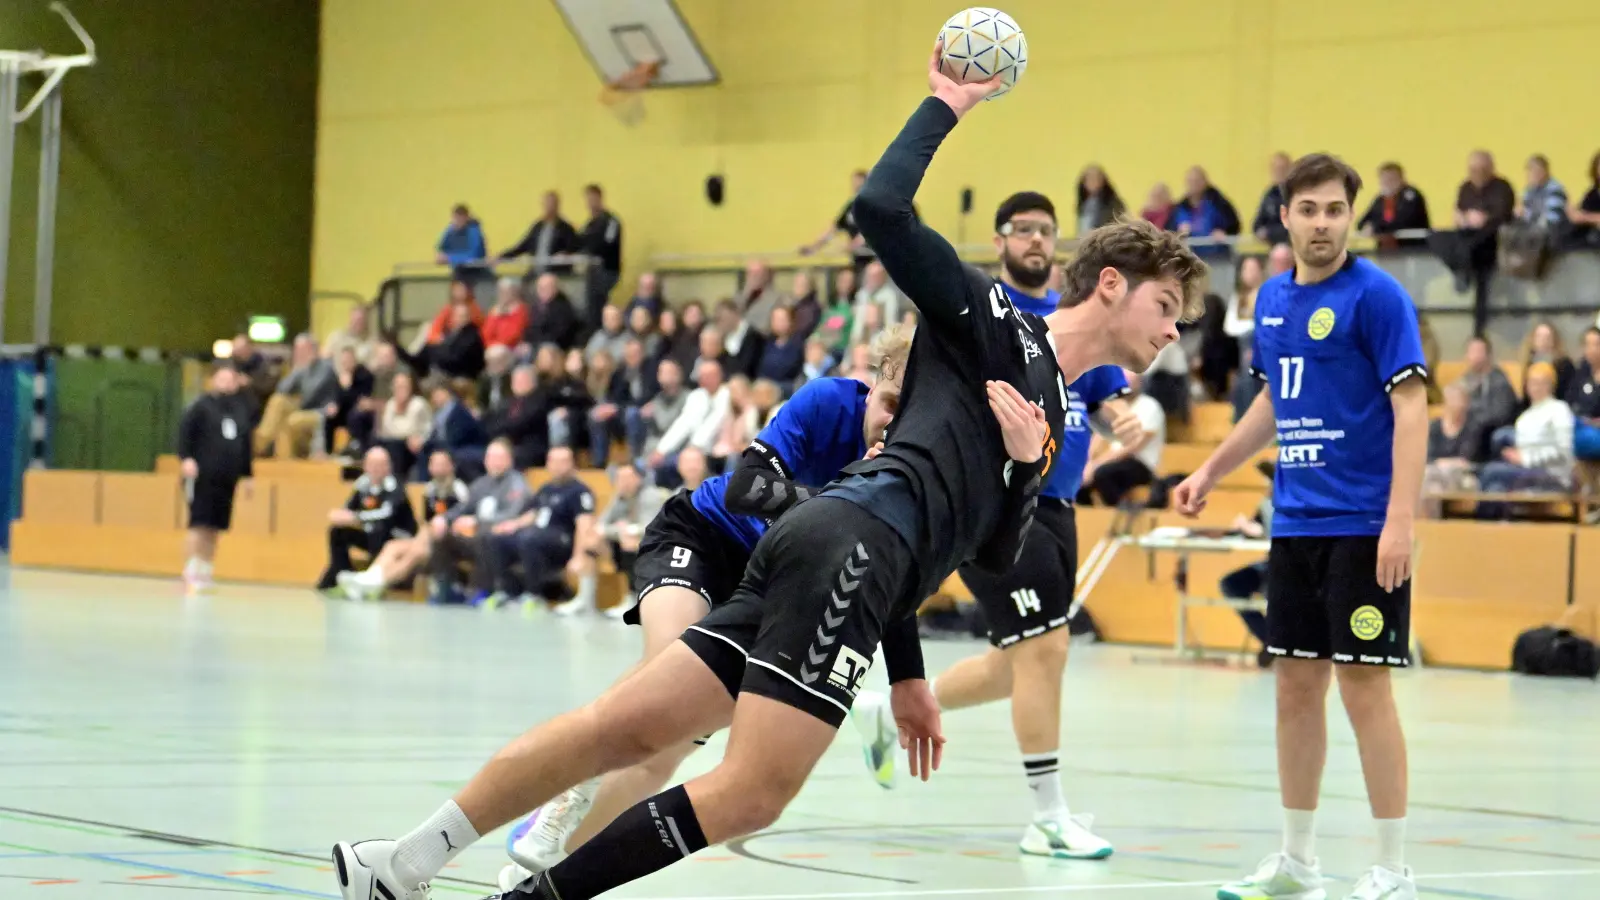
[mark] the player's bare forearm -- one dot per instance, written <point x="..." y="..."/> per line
<point x="919" y="261"/>
<point x="1409" y="399"/>
<point x="1254" y="431"/>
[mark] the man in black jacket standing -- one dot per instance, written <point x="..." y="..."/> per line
<point x="214" y="441"/>
<point x="1268" y="226"/>
<point x="378" y="511"/>
<point x="601" y="240"/>
<point x="550" y="236"/>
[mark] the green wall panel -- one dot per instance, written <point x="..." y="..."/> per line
<point x="187" y="166"/>
<point x="114" y="414"/>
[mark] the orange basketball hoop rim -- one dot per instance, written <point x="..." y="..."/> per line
<point x="632" y="81"/>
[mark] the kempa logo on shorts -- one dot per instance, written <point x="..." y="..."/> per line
<point x="833" y="616"/>
<point x="1321" y="324"/>
<point x="1366" y="623"/>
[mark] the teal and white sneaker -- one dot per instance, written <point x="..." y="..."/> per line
<point x="1064" y="837"/>
<point x="1385" y="884"/>
<point x="540" y="841"/>
<point x="880" y="737"/>
<point x="1279" y="877"/>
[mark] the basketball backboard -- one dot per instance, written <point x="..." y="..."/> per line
<point x="618" y="35"/>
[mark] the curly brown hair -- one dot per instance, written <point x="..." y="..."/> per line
<point x="1141" y="252"/>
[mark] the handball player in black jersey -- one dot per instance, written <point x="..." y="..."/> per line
<point x="982" y="409"/>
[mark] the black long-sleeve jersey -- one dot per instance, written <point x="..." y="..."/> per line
<point x="382" y="505"/>
<point x="215" y="432"/>
<point x="970" y="500"/>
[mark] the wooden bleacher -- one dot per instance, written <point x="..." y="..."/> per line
<point x="133" y="523"/>
<point x="1478" y="583"/>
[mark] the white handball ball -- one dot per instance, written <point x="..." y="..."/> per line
<point x="980" y="43"/>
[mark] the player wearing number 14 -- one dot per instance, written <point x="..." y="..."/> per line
<point x="1337" y="343"/>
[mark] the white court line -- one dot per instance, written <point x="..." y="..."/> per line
<point x="1080" y="888"/>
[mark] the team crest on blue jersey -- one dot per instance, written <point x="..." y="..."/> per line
<point x="1321" y="324"/>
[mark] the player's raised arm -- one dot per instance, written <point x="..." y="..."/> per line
<point x="921" y="262"/>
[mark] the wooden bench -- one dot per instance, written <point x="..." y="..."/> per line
<point x="1571" y="505"/>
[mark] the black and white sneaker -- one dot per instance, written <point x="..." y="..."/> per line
<point x="366" y="872"/>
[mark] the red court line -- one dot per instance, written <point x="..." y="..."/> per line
<point x="1444" y="842"/>
<point x="56" y="881"/>
<point x="149" y="877"/>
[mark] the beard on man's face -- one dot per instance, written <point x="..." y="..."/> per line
<point x="1026" y="272"/>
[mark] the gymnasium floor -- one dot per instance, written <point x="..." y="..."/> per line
<point x="154" y="747"/>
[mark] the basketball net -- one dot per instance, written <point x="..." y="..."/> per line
<point x="624" y="96"/>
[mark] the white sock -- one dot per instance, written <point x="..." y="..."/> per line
<point x="373" y="576"/>
<point x="587" y="585"/>
<point x="192" y="568"/>
<point x="1299" y="834"/>
<point x="1044" y="780"/>
<point x="423" y="853"/>
<point x="1392" y="844"/>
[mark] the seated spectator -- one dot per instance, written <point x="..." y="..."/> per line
<point x="291" y="425"/>
<point x="692" y="469"/>
<point x="1167" y="379"/>
<point x="1455" y="445"/>
<point x="462" y="245"/>
<point x="739" y="426"/>
<point x="1544" y="199"/>
<point x="1122" y="467"/>
<point x="460" y="353"/>
<point x="692" y="317"/>
<point x="358" y="334"/>
<point x="646" y="296"/>
<point x="253" y="374"/>
<point x="784" y="355"/>
<point x="1543" y="344"/>
<point x="543" y="537"/>
<point x="621" y="527"/>
<point x="818" y="363"/>
<point x="756" y="297"/>
<point x="642" y="328"/>
<point x="552" y="319"/>
<point x="568" y="400"/>
<point x="866" y="324"/>
<point x="767" y="397"/>
<point x="1098" y="203"/>
<point x="1398" y="207"/>
<point x="663" y="409"/>
<point x="1489" y="394"/>
<point x="455" y="429"/>
<point x="670" y="332"/>
<point x="460" y="295"/>
<point x="1484" y="202"/>
<point x="363" y="420"/>
<point x="1218" y="357"/>
<point x="610" y="335"/>
<point x="1205" y="213"/>
<point x="551" y="235"/>
<point x="1239" y="323"/>
<point x="548" y="361"/>
<point x="1268" y="225"/>
<point x="377" y="512"/>
<point x="908" y="319"/>
<point x="1538" y="455"/>
<point x="1158" y="208"/>
<point x="523" y="421"/>
<point x="1583" y="395"/>
<point x="803" y="304"/>
<point x="404" y="423"/>
<point x="462" y="533"/>
<point x="711" y="348"/>
<point x="494" y="385"/>
<point x="597" y="377"/>
<point x="698" y="425"/>
<point x="508" y="318"/>
<point x="859" y="365"/>
<point x="1585" y="216"/>
<point x="876" y="290"/>
<point x="352" y="384"/>
<point x="621" y="414"/>
<point x="833" y="328"/>
<point x="1245" y="583"/>
<point x="400" y="558"/>
<point x="742" y="340"/>
<point x="1280" y="259"/>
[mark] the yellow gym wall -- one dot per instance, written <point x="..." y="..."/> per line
<point x="490" y="102"/>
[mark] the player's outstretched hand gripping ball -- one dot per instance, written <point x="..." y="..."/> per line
<point x="981" y="42"/>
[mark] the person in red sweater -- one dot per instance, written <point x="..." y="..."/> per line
<point x="460" y="292"/>
<point x="508" y="318"/>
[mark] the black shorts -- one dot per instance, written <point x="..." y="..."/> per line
<point x="210" y="502"/>
<point x="1324" y="602"/>
<point x="683" y="548"/>
<point x="1034" y="596"/>
<point x="803" y="626"/>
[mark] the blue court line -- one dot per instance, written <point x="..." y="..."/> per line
<point x="207" y="876"/>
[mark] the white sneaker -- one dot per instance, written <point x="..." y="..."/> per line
<point x="540" y="841"/>
<point x="572" y="607"/>
<point x="1385" y="884"/>
<point x="1064" y="837"/>
<point x="511" y="876"/>
<point x="874" y="721"/>
<point x="350" y="584"/>
<point x="621" y="609"/>
<point x="1279" y="877"/>
<point x="366" y="872"/>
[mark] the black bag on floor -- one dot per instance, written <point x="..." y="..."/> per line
<point x="1556" y="652"/>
